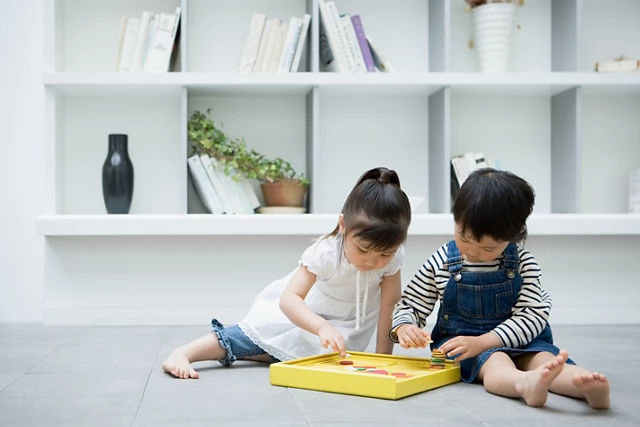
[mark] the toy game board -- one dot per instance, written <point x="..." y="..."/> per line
<point x="364" y="374"/>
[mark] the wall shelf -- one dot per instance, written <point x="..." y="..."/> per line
<point x="309" y="224"/>
<point x="571" y="132"/>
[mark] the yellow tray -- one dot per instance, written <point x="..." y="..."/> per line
<point x="325" y="373"/>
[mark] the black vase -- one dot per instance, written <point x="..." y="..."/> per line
<point x="117" y="176"/>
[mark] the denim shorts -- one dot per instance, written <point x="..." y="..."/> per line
<point x="236" y="343"/>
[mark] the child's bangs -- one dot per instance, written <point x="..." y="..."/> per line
<point x="382" y="237"/>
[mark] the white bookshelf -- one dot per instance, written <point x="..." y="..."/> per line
<point x="573" y="133"/>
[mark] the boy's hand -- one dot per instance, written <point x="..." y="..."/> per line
<point x="410" y="336"/>
<point x="463" y="347"/>
<point x="329" y="337"/>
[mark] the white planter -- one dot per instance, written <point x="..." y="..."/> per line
<point x="492" y="32"/>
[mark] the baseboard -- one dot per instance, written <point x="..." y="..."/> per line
<point x="196" y="315"/>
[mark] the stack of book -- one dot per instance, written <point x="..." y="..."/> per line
<point x="273" y="45"/>
<point x="621" y="64"/>
<point x="149" y="43"/>
<point x="219" y="192"/>
<point x="463" y="164"/>
<point x="344" y="47"/>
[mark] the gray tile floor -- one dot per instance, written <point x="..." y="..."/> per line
<point x="93" y="376"/>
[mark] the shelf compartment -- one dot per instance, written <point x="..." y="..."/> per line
<point x="609" y="151"/>
<point x="217" y="30"/>
<point x="273" y="125"/>
<point x="80" y="128"/>
<point x="606" y="31"/>
<point x="530" y="45"/>
<point x="84" y="35"/>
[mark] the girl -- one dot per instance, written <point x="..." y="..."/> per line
<point x="493" y="311"/>
<point x="343" y="283"/>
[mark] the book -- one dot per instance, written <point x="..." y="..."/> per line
<point x="378" y="59"/>
<point x="463" y="165"/>
<point x="278" y="46"/>
<point x="123" y="30"/>
<point x="342" y="49"/>
<point x="302" y="39"/>
<point x="330" y="24"/>
<point x="289" y="45"/>
<point x="232" y="201"/>
<point x="634" y="192"/>
<point x="141" y="41"/>
<point x="250" y="53"/>
<point x="326" y="55"/>
<point x="218" y="184"/>
<point x="125" y="63"/>
<point x="357" y="61"/>
<point x="202" y="185"/>
<point x="269" y="24"/>
<point x="621" y="64"/>
<point x="274" y="34"/>
<point x="159" y="54"/>
<point x="363" y="44"/>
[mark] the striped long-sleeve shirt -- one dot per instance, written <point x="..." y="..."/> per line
<point x="529" y="315"/>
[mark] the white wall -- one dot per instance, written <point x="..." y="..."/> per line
<point x="21" y="160"/>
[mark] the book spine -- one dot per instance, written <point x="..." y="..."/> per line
<point x="289" y="46"/>
<point x="326" y="55"/>
<point x="270" y="47"/>
<point x="362" y="43"/>
<point x="352" y="44"/>
<point x="278" y="47"/>
<point x="339" y="63"/>
<point x="342" y="49"/>
<point x="200" y="181"/>
<point x="302" y="38"/>
<point x="129" y="45"/>
<point x="250" y="53"/>
<point x="217" y="183"/>
<point x="269" y="25"/>
<point x="141" y="41"/>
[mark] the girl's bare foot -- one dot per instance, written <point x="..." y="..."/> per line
<point x="177" y="364"/>
<point x="534" y="385"/>
<point x="595" y="387"/>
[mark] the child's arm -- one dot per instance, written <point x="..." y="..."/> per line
<point x="390" y="289"/>
<point x="293" y="306"/>
<point x="530" y="314"/>
<point x="417" y="302"/>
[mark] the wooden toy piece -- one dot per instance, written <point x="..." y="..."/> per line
<point x="374" y="375"/>
<point x="346" y="362"/>
<point x="437" y="359"/>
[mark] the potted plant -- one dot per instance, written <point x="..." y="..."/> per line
<point x="493" y="22"/>
<point x="281" y="184"/>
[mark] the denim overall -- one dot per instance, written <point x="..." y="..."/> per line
<point x="477" y="302"/>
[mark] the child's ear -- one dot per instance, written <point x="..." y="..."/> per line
<point x="341" y="226"/>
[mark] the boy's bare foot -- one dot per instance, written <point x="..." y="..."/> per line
<point x="595" y="387"/>
<point x="534" y="385"/>
<point x="177" y="364"/>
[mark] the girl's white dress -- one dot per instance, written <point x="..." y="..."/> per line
<point x="349" y="299"/>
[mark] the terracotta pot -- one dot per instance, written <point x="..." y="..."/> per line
<point x="284" y="193"/>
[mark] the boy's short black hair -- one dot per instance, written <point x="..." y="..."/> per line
<point x="494" y="203"/>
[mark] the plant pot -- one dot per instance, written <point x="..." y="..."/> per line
<point x="284" y="193"/>
<point x="492" y="33"/>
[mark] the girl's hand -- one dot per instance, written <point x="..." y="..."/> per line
<point x="329" y="337"/>
<point x="463" y="347"/>
<point x="410" y="336"/>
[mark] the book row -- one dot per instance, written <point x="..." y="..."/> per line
<point x="219" y="192"/>
<point x="344" y="46"/>
<point x="149" y="43"/>
<point x="273" y="45"/>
